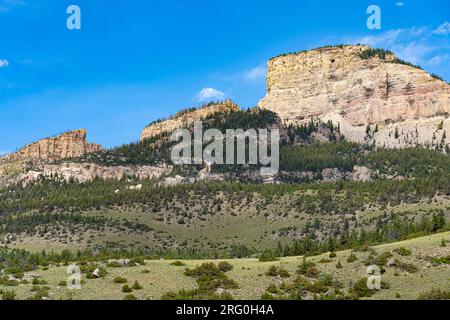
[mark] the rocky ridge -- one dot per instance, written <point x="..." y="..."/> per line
<point x="67" y="145"/>
<point x="87" y="172"/>
<point x="338" y="84"/>
<point x="186" y="119"/>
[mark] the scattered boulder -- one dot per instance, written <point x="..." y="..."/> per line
<point x="391" y="263"/>
<point x="361" y="174"/>
<point x="332" y="175"/>
<point x="135" y="188"/>
<point x="96" y="274"/>
<point x="172" y="181"/>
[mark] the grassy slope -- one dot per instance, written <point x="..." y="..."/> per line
<point x="231" y="225"/>
<point x="249" y="273"/>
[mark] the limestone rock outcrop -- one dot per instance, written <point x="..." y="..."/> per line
<point x="67" y="145"/>
<point x="185" y="119"/>
<point x="336" y="83"/>
<point x="87" y="172"/>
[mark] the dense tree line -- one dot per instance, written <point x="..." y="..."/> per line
<point x="50" y="195"/>
<point x="28" y="222"/>
<point x="392" y="229"/>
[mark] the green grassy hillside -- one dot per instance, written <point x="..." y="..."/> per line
<point x="421" y="265"/>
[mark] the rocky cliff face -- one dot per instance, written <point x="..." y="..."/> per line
<point x="68" y="145"/>
<point x="87" y="172"/>
<point x="186" y="119"/>
<point x="337" y="84"/>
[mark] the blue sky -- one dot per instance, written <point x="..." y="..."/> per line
<point x="138" y="60"/>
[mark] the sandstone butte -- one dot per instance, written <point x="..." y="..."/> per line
<point x="400" y="104"/>
<point x="67" y="145"/>
<point x="404" y="105"/>
<point x="185" y="119"/>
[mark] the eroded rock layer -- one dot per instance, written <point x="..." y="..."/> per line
<point x="185" y="119"/>
<point x="67" y="145"/>
<point x="336" y="83"/>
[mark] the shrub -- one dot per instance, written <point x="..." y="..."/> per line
<point x="435" y="294"/>
<point x="372" y="52"/>
<point x="62" y="283"/>
<point x="8" y="294"/>
<point x="272" y="272"/>
<point x="209" y="279"/>
<point x="332" y="255"/>
<point x="403" y="251"/>
<point x="325" y="279"/>
<point x="89" y="269"/>
<point x="435" y="76"/>
<point x="441" y="260"/>
<point x="39" y="293"/>
<point x="213" y="283"/>
<point x="360" y="289"/>
<point x="126" y="289"/>
<point x="8" y="282"/>
<point x="130" y="297"/>
<point x="114" y="264"/>
<point x="339" y="265"/>
<point x="137" y="261"/>
<point x="275" y="271"/>
<point x="378" y="259"/>
<point x="178" y="264"/>
<point x="196" y="294"/>
<point x="268" y="256"/>
<point x="317" y="286"/>
<point x="284" y="273"/>
<point x="37" y="288"/>
<point x="304" y="266"/>
<point x="267" y="296"/>
<point x="273" y="289"/>
<point x="137" y="286"/>
<point x="225" y="266"/>
<point x="312" y="272"/>
<point x="405" y="266"/>
<point x="120" y="280"/>
<point x="39" y="282"/>
<point x="363" y="248"/>
<point x="206" y="269"/>
<point x="352" y="257"/>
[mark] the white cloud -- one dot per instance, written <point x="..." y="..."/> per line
<point x="209" y="94"/>
<point x="417" y="31"/>
<point x="4" y="63"/>
<point x="383" y="39"/>
<point x="413" y="52"/>
<point x="400" y="4"/>
<point x="438" y="59"/>
<point x="255" y="75"/>
<point x="443" y="29"/>
<point x="419" y="45"/>
<point x="412" y="44"/>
